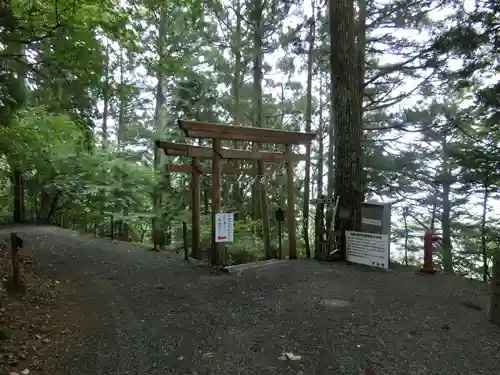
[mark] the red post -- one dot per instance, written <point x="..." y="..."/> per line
<point x="428" y="266"/>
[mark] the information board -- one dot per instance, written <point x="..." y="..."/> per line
<point x="371" y="249"/>
<point x="224" y="227"/>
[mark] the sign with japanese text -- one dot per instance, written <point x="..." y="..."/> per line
<point x="224" y="227"/>
<point x="370" y="249"/>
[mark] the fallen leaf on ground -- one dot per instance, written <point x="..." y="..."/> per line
<point x="31" y="323"/>
<point x="290" y="356"/>
<point x="207" y="355"/>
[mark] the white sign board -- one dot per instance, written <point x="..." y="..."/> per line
<point x="224" y="227"/>
<point x="370" y="249"/>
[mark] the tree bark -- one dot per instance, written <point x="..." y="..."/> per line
<point x="256" y="19"/>
<point x="160" y="128"/>
<point x="259" y="196"/>
<point x="319" y="213"/>
<point x="106" y="98"/>
<point x="345" y="92"/>
<point x="236" y="86"/>
<point x="445" y="214"/>
<point x="307" y="178"/>
<point x="123" y="99"/>
<point x="405" y="222"/>
<point x="18" y="195"/>
<point x="484" y="245"/>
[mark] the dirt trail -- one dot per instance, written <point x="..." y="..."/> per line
<point x="146" y="313"/>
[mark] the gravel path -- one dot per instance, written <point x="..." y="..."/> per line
<point x="330" y="318"/>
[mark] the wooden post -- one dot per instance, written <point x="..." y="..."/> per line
<point x="216" y="176"/>
<point x="185" y="240"/>
<point x="290" y="200"/>
<point x="195" y="209"/>
<point x="262" y="191"/>
<point x="16" y="244"/>
<point x="255" y="187"/>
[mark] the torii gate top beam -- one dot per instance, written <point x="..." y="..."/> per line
<point x="180" y="149"/>
<point x="196" y="129"/>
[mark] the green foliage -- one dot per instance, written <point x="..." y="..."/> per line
<point x="36" y="138"/>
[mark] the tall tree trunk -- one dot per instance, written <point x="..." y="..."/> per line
<point x="260" y="194"/>
<point x="361" y="65"/>
<point x="361" y="50"/>
<point x="160" y="127"/>
<point x="282" y="191"/>
<point x="123" y="99"/>
<point x="121" y="106"/>
<point x="405" y="221"/>
<point x="348" y="127"/>
<point x="434" y="211"/>
<point x="106" y="94"/>
<point x="236" y="111"/>
<point x="18" y="195"/>
<point x="17" y="49"/>
<point x="307" y="178"/>
<point x="330" y="158"/>
<point x="484" y="247"/>
<point x="256" y="19"/>
<point x="321" y="150"/>
<point x="445" y="214"/>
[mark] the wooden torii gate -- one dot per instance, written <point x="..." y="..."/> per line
<point x="217" y="132"/>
